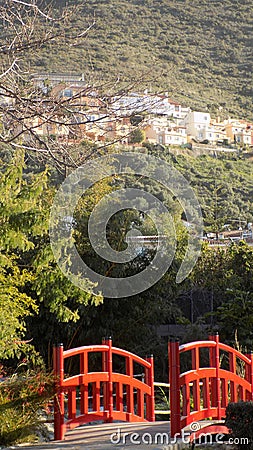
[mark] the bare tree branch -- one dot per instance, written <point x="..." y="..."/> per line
<point x="38" y="117"/>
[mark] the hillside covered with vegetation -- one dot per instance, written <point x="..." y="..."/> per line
<point x="199" y="52"/>
<point x="223" y="185"/>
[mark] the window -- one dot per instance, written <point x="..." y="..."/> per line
<point x="67" y="93"/>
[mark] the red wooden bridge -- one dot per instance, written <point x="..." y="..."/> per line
<point x="216" y="375"/>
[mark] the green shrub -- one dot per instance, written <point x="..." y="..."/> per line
<point x="239" y="419"/>
<point x="162" y="403"/>
<point x="24" y="398"/>
<point x="136" y="136"/>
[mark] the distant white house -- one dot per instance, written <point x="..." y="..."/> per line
<point x="134" y="103"/>
<point x="175" y="136"/>
<point x="197" y="124"/>
<point x="164" y="131"/>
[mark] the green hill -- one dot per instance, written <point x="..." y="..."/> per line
<point x="199" y="51"/>
<point x="223" y="184"/>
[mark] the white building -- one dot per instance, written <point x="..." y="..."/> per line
<point x="162" y="130"/>
<point x="197" y="124"/>
<point x="161" y="105"/>
<point x="175" y="136"/>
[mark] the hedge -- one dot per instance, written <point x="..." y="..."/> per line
<point x="239" y="419"/>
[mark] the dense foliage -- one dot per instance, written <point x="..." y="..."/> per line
<point x="28" y="271"/>
<point x="239" y="421"/>
<point x="24" y="399"/>
<point x="36" y="298"/>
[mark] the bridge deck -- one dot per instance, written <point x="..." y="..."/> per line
<point x="118" y="436"/>
<point x="111" y="436"/>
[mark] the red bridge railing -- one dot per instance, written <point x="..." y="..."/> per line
<point x="114" y="396"/>
<point x="218" y="374"/>
<point x="204" y="392"/>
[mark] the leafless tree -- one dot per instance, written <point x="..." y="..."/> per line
<point x="26" y="106"/>
<point x="34" y="114"/>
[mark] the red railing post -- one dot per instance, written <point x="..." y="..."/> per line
<point x="150" y="415"/>
<point x="72" y="403"/>
<point x="213" y="385"/>
<point x="84" y="369"/>
<point x="217" y="379"/>
<point x="174" y="380"/>
<point x="59" y="394"/>
<point x="195" y="388"/>
<point x="105" y="369"/>
<point x="109" y="388"/>
<point x="251" y="372"/>
<point x="129" y="388"/>
<point x="232" y="368"/>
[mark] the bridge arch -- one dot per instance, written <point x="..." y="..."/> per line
<point x="201" y="392"/>
<point x="115" y="396"/>
<point x="204" y="392"/>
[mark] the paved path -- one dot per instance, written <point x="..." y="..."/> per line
<point x="138" y="436"/>
<point x="118" y="436"/>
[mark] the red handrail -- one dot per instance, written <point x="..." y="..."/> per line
<point x="136" y="404"/>
<point x="204" y="392"/>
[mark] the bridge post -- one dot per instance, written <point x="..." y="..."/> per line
<point x="195" y="386"/>
<point x="84" y="369"/>
<point x="217" y="367"/>
<point x="129" y="389"/>
<point x="107" y="367"/>
<point x="104" y="369"/>
<point x="59" y="397"/>
<point x="250" y="373"/>
<point x="232" y="368"/>
<point x="215" y="384"/>
<point x="213" y="390"/>
<point x="174" y="380"/>
<point x="149" y="375"/>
